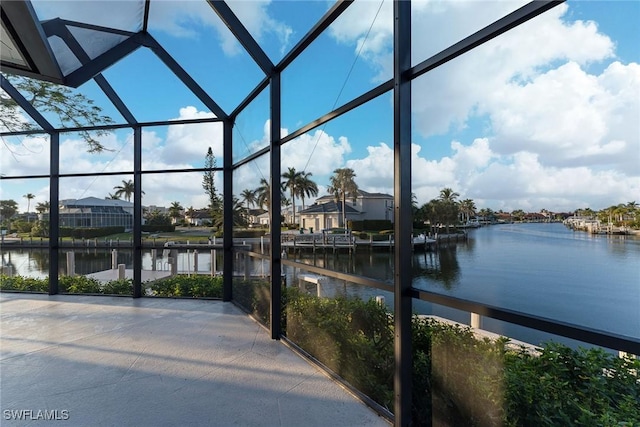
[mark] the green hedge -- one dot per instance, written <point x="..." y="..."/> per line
<point x="148" y="228"/>
<point x="459" y="379"/>
<point x="196" y="286"/>
<point x="89" y="233"/>
<point x="177" y="286"/>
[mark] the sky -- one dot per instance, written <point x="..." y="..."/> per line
<point x="546" y="116"/>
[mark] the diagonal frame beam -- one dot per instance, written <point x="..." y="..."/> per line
<point x="63" y="32"/>
<point x="512" y="20"/>
<point x="24" y="104"/>
<point x="242" y="35"/>
<point x="324" y="23"/>
<point x="185" y="78"/>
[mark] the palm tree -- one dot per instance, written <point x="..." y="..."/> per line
<point x="112" y="197"/>
<point x="448" y="195"/>
<point x="42" y="207"/>
<point x="29" y="197"/>
<point x="189" y="213"/>
<point x="467" y="208"/>
<point x="263" y="194"/>
<point x="306" y="187"/>
<point x="175" y="211"/>
<point x="342" y="184"/>
<point x="238" y="215"/>
<point x="126" y="189"/>
<point x="248" y="197"/>
<point x="292" y="179"/>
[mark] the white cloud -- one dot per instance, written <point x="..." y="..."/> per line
<point x="552" y="134"/>
<point x="182" y="19"/>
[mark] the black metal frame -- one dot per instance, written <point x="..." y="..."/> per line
<point x="404" y="73"/>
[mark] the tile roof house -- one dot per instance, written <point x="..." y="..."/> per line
<point x="327" y="213"/>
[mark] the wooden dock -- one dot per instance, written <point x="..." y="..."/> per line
<point x="349" y="242"/>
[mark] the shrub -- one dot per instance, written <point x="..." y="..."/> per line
<point x="21" y="283"/>
<point x="459" y="379"/>
<point x="160" y="228"/>
<point x="22" y="226"/>
<point x="89" y="233"/>
<point x="195" y="286"/>
<point x="78" y="285"/>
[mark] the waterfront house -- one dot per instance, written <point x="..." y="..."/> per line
<point x="94" y="212"/>
<point x="327" y="213"/>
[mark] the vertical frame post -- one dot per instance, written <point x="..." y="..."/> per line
<point x="275" y="210"/>
<point x="54" y="211"/>
<point x="402" y="218"/>
<point x="137" y="212"/>
<point x="227" y="221"/>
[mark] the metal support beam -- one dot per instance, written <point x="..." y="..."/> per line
<point x="63" y="32"/>
<point x="512" y="20"/>
<point x="274" y="208"/>
<point x="402" y="214"/>
<point x="242" y="34"/>
<point x="184" y="77"/>
<point x="100" y="63"/>
<point x="54" y="211"/>
<point x="24" y="104"/>
<point x="324" y="23"/>
<point x="137" y="212"/>
<point x="227" y="225"/>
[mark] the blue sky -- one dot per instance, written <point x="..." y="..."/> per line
<point x="544" y="117"/>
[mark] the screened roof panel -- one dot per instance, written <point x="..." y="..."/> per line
<point x="278" y="25"/>
<point x="432" y="22"/>
<point x="121" y="15"/>
<point x="193" y="34"/>
<point x="350" y="58"/>
<point x="96" y="25"/>
<point x="145" y="85"/>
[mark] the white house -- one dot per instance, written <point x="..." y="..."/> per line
<point x="326" y="213"/>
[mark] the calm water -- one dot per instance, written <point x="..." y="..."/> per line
<point x="542" y="269"/>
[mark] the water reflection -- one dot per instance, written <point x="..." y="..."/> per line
<point x="440" y="268"/>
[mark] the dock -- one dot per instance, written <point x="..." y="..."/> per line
<point x="349" y="242"/>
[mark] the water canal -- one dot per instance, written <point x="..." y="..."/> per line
<point x="543" y="269"/>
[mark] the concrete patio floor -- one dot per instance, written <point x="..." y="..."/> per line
<point x="109" y="361"/>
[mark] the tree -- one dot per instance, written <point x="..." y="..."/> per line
<point x="175" y="211"/>
<point x="74" y="110"/>
<point x="155" y="217"/>
<point x="189" y="213"/>
<point x="248" y="197"/>
<point x="448" y="195"/>
<point x="126" y="189"/>
<point x="29" y="198"/>
<point x="518" y="214"/>
<point x="8" y="208"/>
<point x="343" y="185"/>
<point x="468" y="209"/>
<point x="263" y="194"/>
<point x="306" y="187"/>
<point x="43" y="207"/>
<point x="292" y="179"/>
<point x="209" y="182"/>
<point x="112" y="197"/>
<point x="237" y="212"/>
